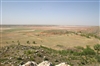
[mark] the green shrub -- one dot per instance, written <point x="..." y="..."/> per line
<point x="87" y="36"/>
<point x="28" y="42"/>
<point x="34" y="42"/>
<point x="77" y="53"/>
<point x="6" y="42"/>
<point x="32" y="59"/>
<point x="39" y="55"/>
<point x="98" y="58"/>
<point x="2" y="60"/>
<point x="59" y="45"/>
<point x="49" y="50"/>
<point x="88" y="51"/>
<point x="12" y="41"/>
<point x="63" y="52"/>
<point x="18" y="42"/>
<point x="97" y="47"/>
<point x="27" y="52"/>
<point x="19" y="59"/>
<point x="79" y="47"/>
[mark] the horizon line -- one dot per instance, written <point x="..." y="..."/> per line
<point x="43" y="25"/>
<point x="50" y="1"/>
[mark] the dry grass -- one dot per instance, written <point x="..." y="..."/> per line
<point x="24" y="34"/>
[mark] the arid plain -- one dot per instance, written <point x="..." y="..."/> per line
<point x="50" y="36"/>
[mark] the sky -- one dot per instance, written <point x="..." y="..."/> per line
<point x="50" y="12"/>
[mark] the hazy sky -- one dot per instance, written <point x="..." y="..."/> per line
<point x="50" y="12"/>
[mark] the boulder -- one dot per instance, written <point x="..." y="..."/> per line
<point x="29" y="63"/>
<point x="45" y="63"/>
<point x="62" y="64"/>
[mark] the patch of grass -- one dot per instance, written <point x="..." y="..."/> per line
<point x="28" y="52"/>
<point x="15" y="29"/>
<point x="63" y="52"/>
<point x="48" y="49"/>
<point x="2" y="60"/>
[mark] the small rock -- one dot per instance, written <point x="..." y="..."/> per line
<point x="45" y="63"/>
<point x="42" y="50"/>
<point x="36" y="51"/>
<point x="29" y="63"/>
<point x="62" y="64"/>
<point x="10" y="58"/>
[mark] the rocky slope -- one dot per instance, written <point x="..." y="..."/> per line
<point x="16" y="55"/>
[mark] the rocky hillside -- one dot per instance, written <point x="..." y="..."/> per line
<point x="16" y="55"/>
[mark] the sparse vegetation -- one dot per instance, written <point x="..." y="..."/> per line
<point x="98" y="58"/>
<point x="27" y="52"/>
<point x="18" y="42"/>
<point x="88" y="51"/>
<point x="56" y="45"/>
<point x="34" y="42"/>
<point x="12" y="41"/>
<point x="97" y="48"/>
<point x="6" y="42"/>
<point x="83" y="57"/>
<point x="28" y="42"/>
